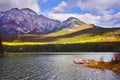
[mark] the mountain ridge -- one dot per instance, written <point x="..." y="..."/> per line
<point x="21" y="21"/>
<point x="26" y="25"/>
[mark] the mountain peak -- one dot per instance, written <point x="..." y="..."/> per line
<point x="41" y="16"/>
<point x="72" y="22"/>
<point x="28" y="11"/>
<point x="76" y="20"/>
<point x="21" y="21"/>
<point x="71" y="18"/>
<point x="13" y="9"/>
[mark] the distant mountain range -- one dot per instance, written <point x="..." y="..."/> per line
<point x="20" y="21"/>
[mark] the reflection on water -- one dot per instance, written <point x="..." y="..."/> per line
<point x="53" y="67"/>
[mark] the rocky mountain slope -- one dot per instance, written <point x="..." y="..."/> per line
<point x="20" y="21"/>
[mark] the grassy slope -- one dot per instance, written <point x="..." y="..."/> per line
<point x="85" y="39"/>
<point x="83" y="34"/>
<point x="70" y="30"/>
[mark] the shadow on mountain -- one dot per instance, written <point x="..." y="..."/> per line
<point x="92" y="31"/>
<point x="41" y="38"/>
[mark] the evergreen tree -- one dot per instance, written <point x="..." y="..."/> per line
<point x="1" y="48"/>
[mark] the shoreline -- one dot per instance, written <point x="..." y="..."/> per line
<point x="77" y="47"/>
<point x="106" y="65"/>
<point x="88" y="63"/>
<point x="100" y="65"/>
<point x="36" y="54"/>
<point x="53" y="53"/>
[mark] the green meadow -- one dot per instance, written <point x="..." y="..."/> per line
<point x="84" y="38"/>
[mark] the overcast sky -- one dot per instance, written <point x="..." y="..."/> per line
<point x="99" y="12"/>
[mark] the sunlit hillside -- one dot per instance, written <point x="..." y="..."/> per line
<point x="71" y="30"/>
<point x="83" y="34"/>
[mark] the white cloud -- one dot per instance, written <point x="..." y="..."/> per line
<point x="61" y="7"/>
<point x="104" y="8"/>
<point x="110" y="20"/>
<point x="93" y="7"/>
<point x="8" y="4"/>
<point x="104" y="21"/>
<point x="88" y="18"/>
<point x="101" y="6"/>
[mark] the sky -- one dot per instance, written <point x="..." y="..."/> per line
<point x="104" y="13"/>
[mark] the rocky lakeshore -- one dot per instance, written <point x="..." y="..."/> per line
<point x="100" y="64"/>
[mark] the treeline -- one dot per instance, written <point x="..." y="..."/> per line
<point x="1" y="48"/>
<point x="83" y="47"/>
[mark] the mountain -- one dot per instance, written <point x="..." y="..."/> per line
<point x="45" y="25"/>
<point x="21" y="21"/>
<point x="15" y="21"/>
<point x="26" y="25"/>
<point x="72" y="22"/>
<point x="85" y="33"/>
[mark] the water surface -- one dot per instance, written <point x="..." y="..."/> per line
<point x="54" y="67"/>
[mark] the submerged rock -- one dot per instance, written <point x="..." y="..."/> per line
<point x="82" y="61"/>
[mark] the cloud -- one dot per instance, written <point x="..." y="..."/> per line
<point x="61" y="7"/>
<point x="110" y="20"/>
<point x="101" y="13"/>
<point x="88" y="18"/>
<point x="8" y="4"/>
<point x="101" y="6"/>
<point x="109" y="16"/>
<point x="103" y="21"/>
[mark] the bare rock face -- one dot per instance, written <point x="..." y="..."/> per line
<point x="20" y="21"/>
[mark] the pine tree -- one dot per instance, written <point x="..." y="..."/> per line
<point x="1" y="48"/>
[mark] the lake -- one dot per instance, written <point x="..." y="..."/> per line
<point x="54" y="67"/>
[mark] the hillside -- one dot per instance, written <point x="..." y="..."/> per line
<point x="25" y="21"/>
<point x="83" y="34"/>
<point x="87" y="33"/>
<point x="24" y="30"/>
<point x="86" y="38"/>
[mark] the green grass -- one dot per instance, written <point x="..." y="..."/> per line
<point x="86" y="38"/>
<point x="59" y="37"/>
<point x="63" y="41"/>
<point x="70" y="30"/>
<point x="21" y="43"/>
<point x="112" y="36"/>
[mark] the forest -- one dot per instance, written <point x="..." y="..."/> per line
<point x="79" y="47"/>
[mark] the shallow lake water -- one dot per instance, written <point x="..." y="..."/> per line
<point x="54" y="67"/>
